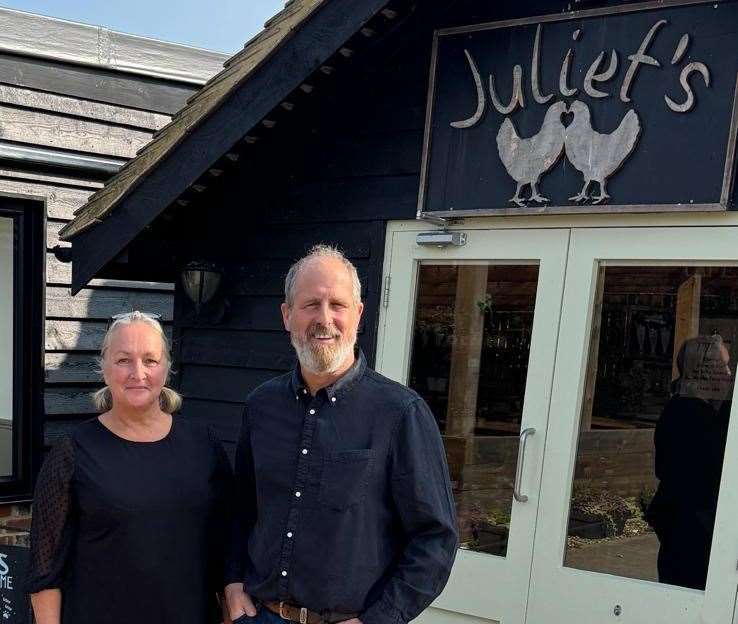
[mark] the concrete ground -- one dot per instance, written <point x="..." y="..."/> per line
<point x="631" y="557"/>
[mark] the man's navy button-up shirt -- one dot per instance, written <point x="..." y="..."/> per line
<point x="343" y="500"/>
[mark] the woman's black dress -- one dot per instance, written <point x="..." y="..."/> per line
<point x="131" y="532"/>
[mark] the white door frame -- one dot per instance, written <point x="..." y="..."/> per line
<point x="719" y="601"/>
<point x="469" y="591"/>
<point x="592" y="597"/>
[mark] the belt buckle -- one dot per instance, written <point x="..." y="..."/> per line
<point x="303" y="613"/>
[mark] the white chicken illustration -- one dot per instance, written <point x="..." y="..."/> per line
<point x="526" y="160"/>
<point x="597" y="156"/>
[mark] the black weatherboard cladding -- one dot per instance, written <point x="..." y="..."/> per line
<point x="348" y="167"/>
<point x="96" y="84"/>
<point x="188" y="153"/>
<point x="337" y="172"/>
<point x="219" y="365"/>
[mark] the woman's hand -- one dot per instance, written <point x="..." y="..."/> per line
<point x="237" y="602"/>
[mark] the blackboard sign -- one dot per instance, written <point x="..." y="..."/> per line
<point x="621" y="109"/>
<point x="14" y="603"/>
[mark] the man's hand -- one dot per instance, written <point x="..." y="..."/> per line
<point x="351" y="621"/>
<point x="238" y="602"/>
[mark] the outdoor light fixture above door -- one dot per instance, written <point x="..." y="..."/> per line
<point x="200" y="281"/>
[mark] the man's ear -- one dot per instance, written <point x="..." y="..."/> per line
<point x="361" y="309"/>
<point x="286" y="316"/>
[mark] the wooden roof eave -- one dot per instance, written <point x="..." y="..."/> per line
<point x="309" y="47"/>
<point x="204" y="103"/>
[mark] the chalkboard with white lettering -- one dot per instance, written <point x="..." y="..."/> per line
<point x="14" y="603"/>
<point x="631" y="108"/>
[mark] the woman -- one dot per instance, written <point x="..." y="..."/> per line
<point x="128" y="511"/>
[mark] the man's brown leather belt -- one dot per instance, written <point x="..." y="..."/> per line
<point x="293" y="613"/>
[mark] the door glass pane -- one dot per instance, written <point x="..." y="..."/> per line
<point x="654" y="422"/>
<point x="6" y="345"/>
<point x="469" y="362"/>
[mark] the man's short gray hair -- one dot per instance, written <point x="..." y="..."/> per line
<point x="315" y="252"/>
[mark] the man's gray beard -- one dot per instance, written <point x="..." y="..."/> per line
<point x="322" y="360"/>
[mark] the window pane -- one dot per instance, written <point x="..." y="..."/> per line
<point x="654" y="422"/>
<point x="7" y="291"/>
<point x="469" y="362"/>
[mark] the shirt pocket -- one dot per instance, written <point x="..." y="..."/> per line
<point x="345" y="478"/>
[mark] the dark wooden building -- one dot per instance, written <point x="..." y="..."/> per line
<point x="544" y="333"/>
<point x="342" y="158"/>
<point x="76" y="103"/>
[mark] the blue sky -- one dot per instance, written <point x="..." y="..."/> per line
<point x="222" y="25"/>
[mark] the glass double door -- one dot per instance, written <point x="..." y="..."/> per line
<point x="582" y="381"/>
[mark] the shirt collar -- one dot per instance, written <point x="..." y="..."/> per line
<point x="342" y="385"/>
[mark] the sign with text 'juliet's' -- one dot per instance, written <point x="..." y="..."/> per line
<point x="628" y="109"/>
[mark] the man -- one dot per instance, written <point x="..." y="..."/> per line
<point x="344" y="506"/>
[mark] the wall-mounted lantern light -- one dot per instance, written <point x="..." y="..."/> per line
<point x="200" y="281"/>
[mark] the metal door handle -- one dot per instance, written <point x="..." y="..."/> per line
<point x="521" y="498"/>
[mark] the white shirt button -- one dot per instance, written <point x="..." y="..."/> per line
<point x="289" y="534"/>
<point x="304" y="391"/>
<point x="284" y="572"/>
<point x="298" y="494"/>
<point x="333" y="399"/>
<point x="312" y="411"/>
<point x="304" y="451"/>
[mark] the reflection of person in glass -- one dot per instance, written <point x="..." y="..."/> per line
<point x="689" y="444"/>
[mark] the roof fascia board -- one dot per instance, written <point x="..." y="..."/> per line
<point x="311" y="45"/>
<point x="50" y="38"/>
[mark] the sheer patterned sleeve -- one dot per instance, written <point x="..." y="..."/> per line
<point x="52" y="524"/>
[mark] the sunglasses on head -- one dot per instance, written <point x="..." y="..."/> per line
<point x="124" y="316"/>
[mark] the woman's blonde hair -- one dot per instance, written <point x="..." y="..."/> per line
<point x="169" y="400"/>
